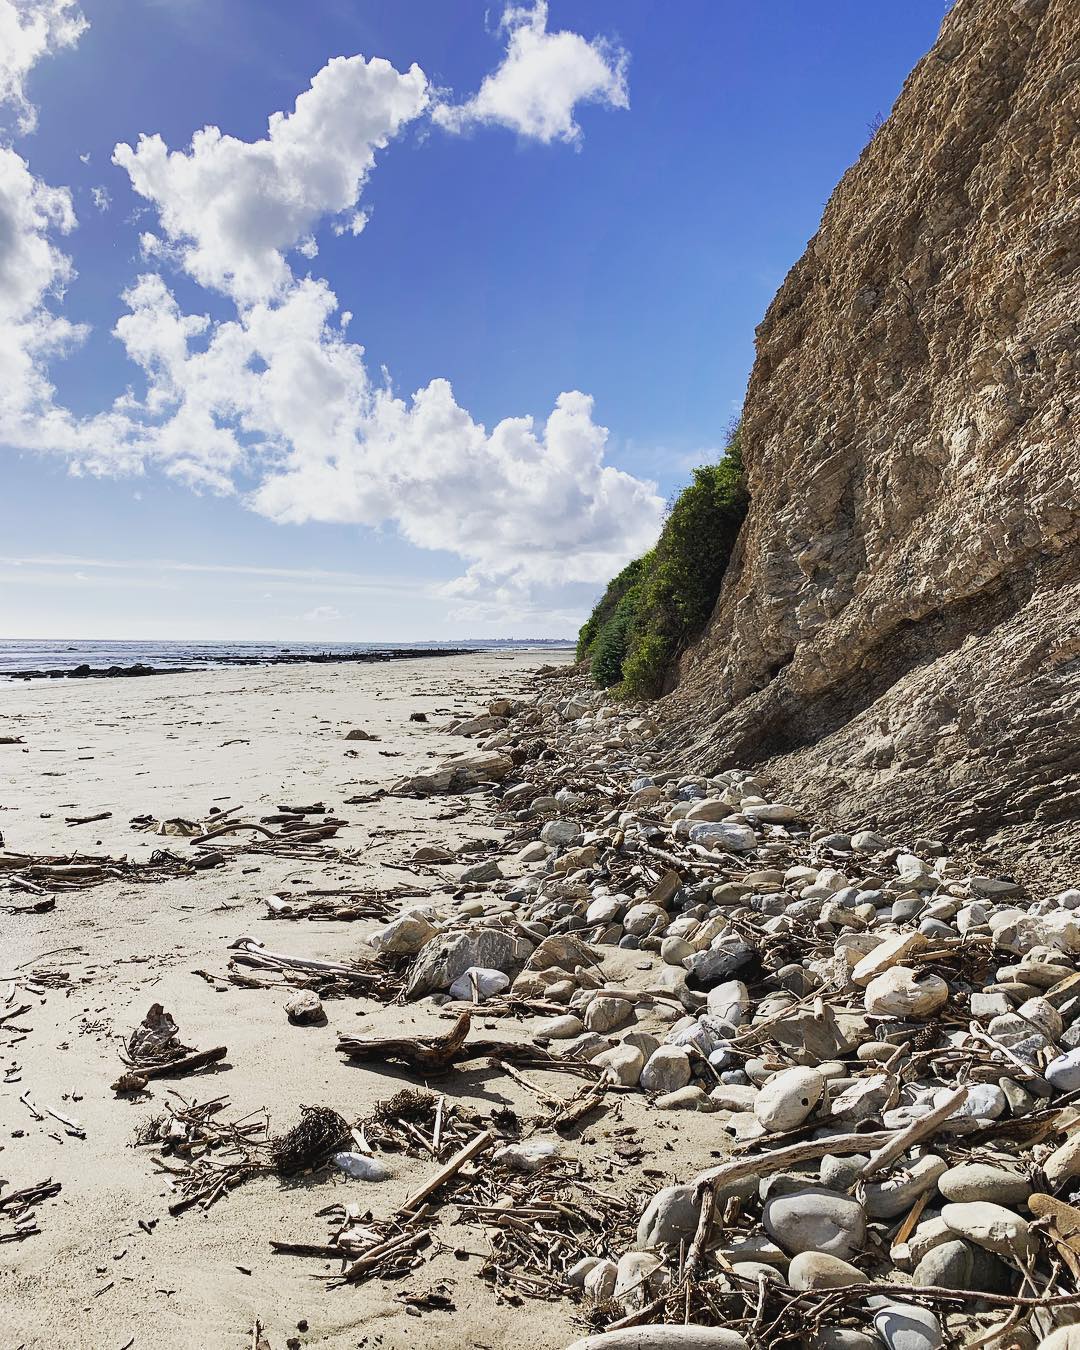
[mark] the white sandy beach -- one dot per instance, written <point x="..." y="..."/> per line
<point x="175" y="746"/>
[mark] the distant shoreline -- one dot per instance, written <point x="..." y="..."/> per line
<point x="140" y="668"/>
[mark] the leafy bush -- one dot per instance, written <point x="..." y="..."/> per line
<point x="659" y="603"/>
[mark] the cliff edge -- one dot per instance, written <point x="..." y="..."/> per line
<point x="897" y="639"/>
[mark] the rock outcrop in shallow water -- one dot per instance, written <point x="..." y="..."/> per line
<point x="899" y="630"/>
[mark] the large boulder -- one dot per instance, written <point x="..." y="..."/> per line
<point x="446" y="957"/>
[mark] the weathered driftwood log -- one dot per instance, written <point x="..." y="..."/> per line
<point x="136" y="1079"/>
<point x="432" y="1055"/>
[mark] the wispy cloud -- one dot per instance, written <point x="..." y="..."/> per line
<point x="323" y="614"/>
<point x="286" y="578"/>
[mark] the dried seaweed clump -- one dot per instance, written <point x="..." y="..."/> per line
<point x="320" y="1130"/>
<point x="408" y="1104"/>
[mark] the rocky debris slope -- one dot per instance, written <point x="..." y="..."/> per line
<point x="898" y="625"/>
<point x="888" y="1044"/>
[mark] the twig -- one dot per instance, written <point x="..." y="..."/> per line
<point x="231" y="829"/>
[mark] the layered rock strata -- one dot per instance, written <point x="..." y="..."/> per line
<point x="898" y="636"/>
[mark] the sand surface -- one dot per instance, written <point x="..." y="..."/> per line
<point x="175" y="746"/>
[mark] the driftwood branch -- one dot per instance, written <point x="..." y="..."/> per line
<point x="138" y="1076"/>
<point x="482" y="1141"/>
<point x="438" y="1054"/>
<point x="779" y="1159"/>
<point x="916" y="1131"/>
<point x="431" y="1055"/>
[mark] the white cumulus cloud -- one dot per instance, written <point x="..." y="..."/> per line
<point x="29" y="30"/>
<point x="275" y="404"/>
<point x="280" y="399"/>
<point x="32" y="271"/>
<point x="233" y="208"/>
<point x="541" y="80"/>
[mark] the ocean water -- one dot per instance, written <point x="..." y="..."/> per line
<point x="63" y="654"/>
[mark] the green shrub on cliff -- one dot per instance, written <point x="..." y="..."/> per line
<point x="659" y="603"/>
<point x="606" y="606"/>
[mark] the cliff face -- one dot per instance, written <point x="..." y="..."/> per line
<point x="898" y="635"/>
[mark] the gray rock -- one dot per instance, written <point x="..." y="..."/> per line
<point x="903" y="992"/>
<point x="675" y="950"/>
<point x="561" y="832"/>
<point x="604" y="909"/>
<point x="948" y="1266"/>
<point x="562" y="1028"/>
<point x="480" y="872"/>
<point x="903" y="1326"/>
<point x="621" y="1064"/>
<point x="721" y="835"/>
<point x="990" y="1005"/>
<point x="305" y="1009"/>
<point x="1064" y="1163"/>
<point x="607" y="1013"/>
<point x="979" y="1181"/>
<point x="672" y="1214"/>
<point x="580" y="1269"/>
<point x="451" y="954"/>
<point x="990" y="1274"/>
<point x="734" y="1096"/>
<point x="991" y="1226"/>
<point x="709" y="809"/>
<point x="477" y="984"/>
<point x="864" y="1099"/>
<point x="586" y="1046"/>
<point x="667" y="1070"/>
<point x="600" y="1281"/>
<point x="788" y="1098"/>
<point x="984" y="1101"/>
<point x="1063" y="1338"/>
<point x="809" y="1037"/>
<point x="634" y="1283"/>
<point x="886" y="1199"/>
<point x="816" y="1219"/>
<point x="815" y="1270"/>
<point x="1063" y="1073"/>
<point x="719" y="963"/>
<point x="729" y="1001"/>
<point x="643" y="919"/>
<point x="562" y="950"/>
<point x="405" y="935"/>
<point x="841" y="1338"/>
<point x="689" y="1098"/>
<point x="839" y="1173"/>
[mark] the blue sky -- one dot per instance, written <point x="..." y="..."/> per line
<point x="593" y="203"/>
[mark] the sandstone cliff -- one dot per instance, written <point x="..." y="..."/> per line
<point x="898" y="636"/>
